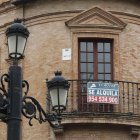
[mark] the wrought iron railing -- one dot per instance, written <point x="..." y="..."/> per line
<point x="129" y="99"/>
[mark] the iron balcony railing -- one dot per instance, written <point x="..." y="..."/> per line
<point x="129" y="99"/>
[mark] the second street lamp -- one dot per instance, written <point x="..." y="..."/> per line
<point x="58" y="89"/>
<point x="12" y="103"/>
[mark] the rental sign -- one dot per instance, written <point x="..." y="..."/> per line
<point x="102" y="93"/>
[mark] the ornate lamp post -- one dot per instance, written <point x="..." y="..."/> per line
<point x="12" y="103"/>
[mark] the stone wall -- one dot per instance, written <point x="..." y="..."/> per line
<point x="95" y="132"/>
<point x="49" y="34"/>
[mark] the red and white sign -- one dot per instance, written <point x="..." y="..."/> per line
<point x="102" y="93"/>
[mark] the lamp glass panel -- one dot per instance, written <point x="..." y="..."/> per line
<point x="12" y="45"/>
<point x="62" y="96"/>
<point x="21" y="44"/>
<point x="54" y="97"/>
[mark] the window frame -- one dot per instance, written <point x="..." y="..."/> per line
<point x="97" y="40"/>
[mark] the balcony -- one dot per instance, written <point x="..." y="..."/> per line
<point x="80" y="111"/>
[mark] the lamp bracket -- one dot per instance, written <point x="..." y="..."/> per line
<point x="32" y="109"/>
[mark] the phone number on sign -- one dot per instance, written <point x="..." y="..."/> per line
<point x="103" y="99"/>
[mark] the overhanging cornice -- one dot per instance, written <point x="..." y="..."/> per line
<point x="18" y="2"/>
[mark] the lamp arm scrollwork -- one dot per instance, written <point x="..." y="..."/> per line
<point x="4" y="92"/>
<point x="32" y="109"/>
<point x="4" y="78"/>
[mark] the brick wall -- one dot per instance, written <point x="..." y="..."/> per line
<point x="94" y="132"/>
<point x="43" y="55"/>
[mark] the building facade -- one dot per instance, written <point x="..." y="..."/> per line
<point x="92" y="40"/>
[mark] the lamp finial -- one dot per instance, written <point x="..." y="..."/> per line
<point x="58" y="73"/>
<point x="17" y="20"/>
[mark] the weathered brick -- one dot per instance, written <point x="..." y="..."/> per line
<point x="45" y="20"/>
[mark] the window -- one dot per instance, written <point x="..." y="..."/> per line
<point x="95" y="59"/>
<point x="95" y="64"/>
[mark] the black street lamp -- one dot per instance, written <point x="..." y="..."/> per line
<point x="58" y="89"/>
<point x="12" y="103"/>
<point x="17" y="35"/>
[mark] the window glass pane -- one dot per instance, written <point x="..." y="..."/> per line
<point x="83" y="67"/>
<point x="90" y="67"/>
<point x="90" y="57"/>
<point x="100" y="68"/>
<point x="82" y="46"/>
<point x="83" y="57"/>
<point x="100" y="57"/>
<point x="90" y="76"/>
<point x="107" y="47"/>
<point x="83" y="76"/>
<point x="107" y="76"/>
<point x="90" y="47"/>
<point x="100" y="47"/>
<point x="107" y="68"/>
<point x="107" y="57"/>
<point x="100" y="76"/>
